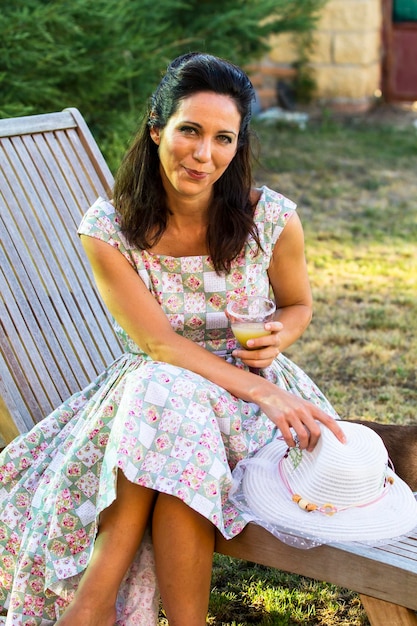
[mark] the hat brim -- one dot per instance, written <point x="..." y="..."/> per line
<point x="266" y="496"/>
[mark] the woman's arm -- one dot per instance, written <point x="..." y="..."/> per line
<point x="137" y="311"/>
<point x="290" y="283"/>
<point x="291" y="286"/>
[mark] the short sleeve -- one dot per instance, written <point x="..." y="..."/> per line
<point x="272" y="213"/>
<point x="103" y="222"/>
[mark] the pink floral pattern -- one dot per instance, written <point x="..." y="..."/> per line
<point x="165" y="427"/>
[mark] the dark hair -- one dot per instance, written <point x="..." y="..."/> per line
<point x="138" y="191"/>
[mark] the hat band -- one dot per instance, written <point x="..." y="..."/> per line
<point x="328" y="508"/>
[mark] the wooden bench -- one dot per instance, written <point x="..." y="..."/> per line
<point x="56" y="336"/>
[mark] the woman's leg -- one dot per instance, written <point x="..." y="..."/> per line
<point x="121" y="529"/>
<point x="183" y="542"/>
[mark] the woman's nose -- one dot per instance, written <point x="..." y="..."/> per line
<point x="202" y="150"/>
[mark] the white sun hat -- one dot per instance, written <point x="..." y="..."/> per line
<point x="336" y="493"/>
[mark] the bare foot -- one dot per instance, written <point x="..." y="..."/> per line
<point x="79" y="613"/>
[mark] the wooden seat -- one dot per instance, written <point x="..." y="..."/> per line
<point x="56" y="336"/>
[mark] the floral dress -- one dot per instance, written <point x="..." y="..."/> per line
<point x="164" y="427"/>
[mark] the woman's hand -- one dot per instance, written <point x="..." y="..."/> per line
<point x="292" y="414"/>
<point x="263" y="350"/>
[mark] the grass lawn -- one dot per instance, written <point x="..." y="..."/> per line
<point x="356" y="187"/>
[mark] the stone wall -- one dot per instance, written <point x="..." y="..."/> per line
<point x="346" y="59"/>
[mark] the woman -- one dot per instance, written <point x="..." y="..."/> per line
<point x="152" y="442"/>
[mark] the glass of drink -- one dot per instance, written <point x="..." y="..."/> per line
<point x="248" y="316"/>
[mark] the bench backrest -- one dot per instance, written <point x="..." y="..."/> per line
<point x="55" y="334"/>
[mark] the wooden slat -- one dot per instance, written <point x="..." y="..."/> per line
<point x="28" y="341"/>
<point x="95" y="156"/>
<point x="13" y="410"/>
<point x="85" y="174"/>
<point x="62" y="217"/>
<point x="30" y="334"/>
<point x="57" y="170"/>
<point x="389" y="554"/>
<point x="36" y="123"/>
<point x="40" y="261"/>
<point x="73" y="266"/>
<point x="406" y="549"/>
<point x="381" y="612"/>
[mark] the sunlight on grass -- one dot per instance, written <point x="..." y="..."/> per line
<point x="244" y="593"/>
<point x="393" y="268"/>
<point x="363" y="338"/>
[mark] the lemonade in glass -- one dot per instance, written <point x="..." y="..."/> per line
<point x="248" y="316"/>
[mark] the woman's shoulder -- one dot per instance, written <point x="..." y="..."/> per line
<point x="101" y="217"/>
<point x="102" y="221"/>
<point x="265" y="196"/>
<point x="272" y="212"/>
<point x="101" y="208"/>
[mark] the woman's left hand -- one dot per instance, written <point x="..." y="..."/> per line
<point x="261" y="351"/>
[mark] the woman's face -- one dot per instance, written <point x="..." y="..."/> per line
<point x="197" y="144"/>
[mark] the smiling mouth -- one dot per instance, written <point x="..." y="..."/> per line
<point x="196" y="174"/>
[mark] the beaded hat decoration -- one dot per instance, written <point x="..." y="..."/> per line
<point x="338" y="492"/>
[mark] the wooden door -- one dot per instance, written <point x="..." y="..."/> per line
<point x="399" y="73"/>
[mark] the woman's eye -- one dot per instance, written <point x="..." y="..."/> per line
<point x="225" y="139"/>
<point x="188" y="130"/>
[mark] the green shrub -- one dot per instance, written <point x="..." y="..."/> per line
<point x="105" y="57"/>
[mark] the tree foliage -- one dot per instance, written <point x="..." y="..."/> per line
<point x="105" y="57"/>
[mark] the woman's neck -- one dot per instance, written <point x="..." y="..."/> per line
<point x="185" y="234"/>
